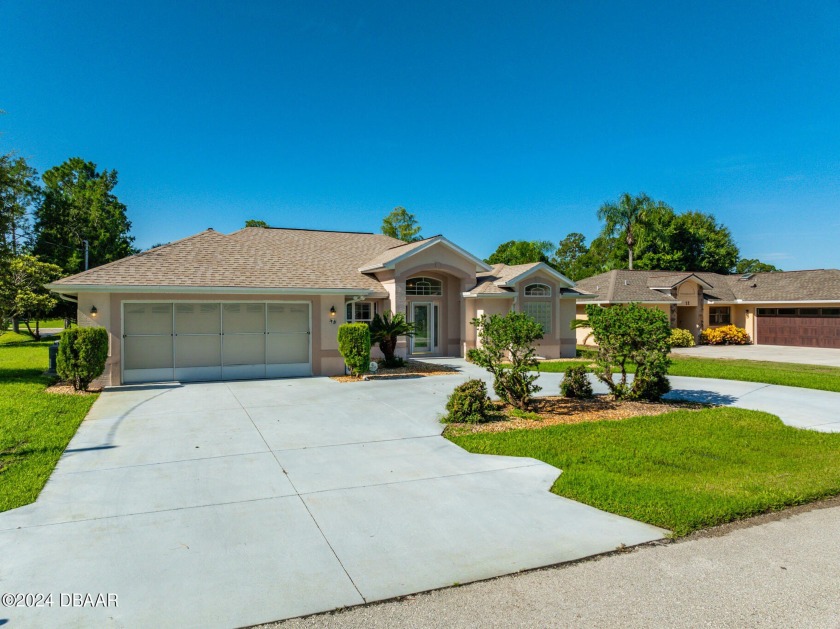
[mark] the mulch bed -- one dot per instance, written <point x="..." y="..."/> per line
<point x="411" y="369"/>
<point x="63" y="388"/>
<point x="561" y="410"/>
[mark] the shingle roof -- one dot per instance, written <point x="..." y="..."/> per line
<point x="253" y="257"/>
<point x="486" y="281"/>
<point x="620" y="286"/>
<point x="394" y="252"/>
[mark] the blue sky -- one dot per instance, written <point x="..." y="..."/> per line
<point x="490" y="121"/>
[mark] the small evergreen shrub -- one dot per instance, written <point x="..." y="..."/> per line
<point x="575" y="383"/>
<point x="354" y="345"/>
<point x="82" y="353"/>
<point x="725" y="335"/>
<point x="472" y="355"/>
<point x="681" y="338"/>
<point x="469" y="403"/>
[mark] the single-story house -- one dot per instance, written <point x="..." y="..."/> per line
<point x="266" y="303"/>
<point x="798" y="308"/>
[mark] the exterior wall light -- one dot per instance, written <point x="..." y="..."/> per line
<point x="332" y="315"/>
<point x="93" y="311"/>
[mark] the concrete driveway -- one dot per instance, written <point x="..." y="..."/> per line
<point x="772" y="353"/>
<point x="230" y="504"/>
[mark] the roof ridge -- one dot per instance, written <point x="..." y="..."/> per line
<point x="611" y="289"/>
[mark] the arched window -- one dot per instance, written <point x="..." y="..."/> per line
<point x="537" y="290"/>
<point x="423" y="286"/>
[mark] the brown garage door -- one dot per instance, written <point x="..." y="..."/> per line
<point x="801" y="327"/>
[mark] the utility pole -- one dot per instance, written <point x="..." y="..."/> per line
<point x="87" y="249"/>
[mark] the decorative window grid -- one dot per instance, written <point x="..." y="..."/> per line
<point x="539" y="311"/>
<point x="537" y="290"/>
<point x="423" y="286"/>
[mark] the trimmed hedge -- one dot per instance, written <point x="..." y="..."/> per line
<point x="354" y="345"/>
<point x="82" y="353"/>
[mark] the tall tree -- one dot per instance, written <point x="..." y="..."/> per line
<point x="79" y="205"/>
<point x="624" y="218"/>
<point x="521" y="252"/>
<point x="402" y="225"/>
<point x="252" y="222"/>
<point x="19" y="191"/>
<point x="572" y="257"/>
<point x="752" y="265"/>
<point x="22" y="292"/>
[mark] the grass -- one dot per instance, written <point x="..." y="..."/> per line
<point x="35" y="426"/>
<point x="46" y="323"/>
<point x="787" y="374"/>
<point x="683" y="470"/>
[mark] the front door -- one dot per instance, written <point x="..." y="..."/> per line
<point x="424" y="317"/>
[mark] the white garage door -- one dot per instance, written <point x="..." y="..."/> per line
<point x="194" y="341"/>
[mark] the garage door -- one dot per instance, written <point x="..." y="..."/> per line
<point x="800" y="327"/>
<point x="190" y="341"/>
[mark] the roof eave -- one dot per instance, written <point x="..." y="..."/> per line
<point x="540" y="266"/>
<point x="74" y="289"/>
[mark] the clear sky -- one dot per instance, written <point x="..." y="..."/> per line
<point x="490" y="121"/>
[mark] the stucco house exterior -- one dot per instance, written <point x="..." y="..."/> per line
<point x="796" y="308"/>
<point x="266" y="302"/>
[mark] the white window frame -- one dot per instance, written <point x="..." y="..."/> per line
<point x="351" y="306"/>
<point x="544" y="318"/>
<point x="433" y="284"/>
<point x="544" y="290"/>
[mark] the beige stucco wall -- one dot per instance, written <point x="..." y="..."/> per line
<point x="326" y="359"/>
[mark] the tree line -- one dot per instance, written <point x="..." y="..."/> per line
<point x="58" y="224"/>
<point x="637" y="233"/>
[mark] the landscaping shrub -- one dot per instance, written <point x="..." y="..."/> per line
<point x="469" y="403"/>
<point x="631" y="335"/>
<point x="471" y="355"/>
<point x="354" y="345"/>
<point x="396" y="361"/>
<point x="681" y="338"/>
<point x="725" y="335"/>
<point x="507" y="352"/>
<point x="81" y="356"/>
<point x="575" y="383"/>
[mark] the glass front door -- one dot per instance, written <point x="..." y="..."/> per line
<point x="423" y="316"/>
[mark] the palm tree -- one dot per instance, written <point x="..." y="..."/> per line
<point x="623" y="217"/>
<point x="385" y="329"/>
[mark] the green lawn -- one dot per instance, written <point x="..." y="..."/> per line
<point x="792" y="375"/>
<point x="35" y="426"/>
<point x="684" y="470"/>
<point x="46" y="323"/>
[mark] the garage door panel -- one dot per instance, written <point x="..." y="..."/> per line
<point x="288" y="318"/>
<point x="799" y="331"/>
<point x="148" y="318"/>
<point x="244" y="349"/>
<point x="198" y="319"/>
<point x="288" y="348"/>
<point x="244" y="318"/>
<point x="148" y="352"/>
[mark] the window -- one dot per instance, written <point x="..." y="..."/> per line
<point x="537" y="290"/>
<point x="539" y="311"/>
<point x="423" y="286"/>
<point x="719" y="315"/>
<point x="360" y="311"/>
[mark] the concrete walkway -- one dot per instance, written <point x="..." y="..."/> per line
<point x="229" y="504"/>
<point x="773" y="353"/>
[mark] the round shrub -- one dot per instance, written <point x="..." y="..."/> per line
<point x="81" y="358"/>
<point x="575" y="383"/>
<point x="472" y="355"/>
<point x="725" y="335"/>
<point x="681" y="338"/>
<point x="469" y="403"/>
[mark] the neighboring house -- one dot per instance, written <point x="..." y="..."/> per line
<point x="266" y="303"/>
<point x="799" y="308"/>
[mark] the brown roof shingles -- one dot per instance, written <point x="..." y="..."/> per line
<point x="253" y="257"/>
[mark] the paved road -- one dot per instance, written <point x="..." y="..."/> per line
<point x="773" y="353"/>
<point x="784" y="573"/>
